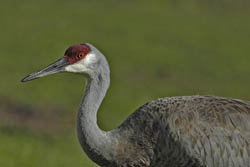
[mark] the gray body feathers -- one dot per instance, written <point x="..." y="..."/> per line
<point x="188" y="131"/>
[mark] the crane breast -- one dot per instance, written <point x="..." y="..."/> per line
<point x="188" y="131"/>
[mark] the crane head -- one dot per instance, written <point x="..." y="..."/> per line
<point x="78" y="58"/>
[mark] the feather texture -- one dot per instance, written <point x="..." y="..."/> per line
<point x="187" y="131"/>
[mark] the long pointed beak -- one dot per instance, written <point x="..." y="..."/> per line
<point x="53" y="68"/>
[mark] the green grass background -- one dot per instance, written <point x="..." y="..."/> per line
<point x="155" y="49"/>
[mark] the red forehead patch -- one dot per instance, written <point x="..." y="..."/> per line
<point x="77" y="52"/>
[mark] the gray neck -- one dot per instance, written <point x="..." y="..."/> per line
<point x="94" y="141"/>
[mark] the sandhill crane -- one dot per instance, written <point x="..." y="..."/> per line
<point x="187" y="131"/>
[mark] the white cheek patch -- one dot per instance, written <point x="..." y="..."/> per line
<point x="82" y="65"/>
<point x="77" y="67"/>
<point x="90" y="59"/>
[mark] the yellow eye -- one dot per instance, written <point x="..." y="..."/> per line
<point x="80" y="55"/>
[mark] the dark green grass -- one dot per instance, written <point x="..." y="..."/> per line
<point x="23" y="148"/>
<point x="155" y="49"/>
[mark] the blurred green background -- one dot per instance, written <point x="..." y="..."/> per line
<point x="155" y="49"/>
